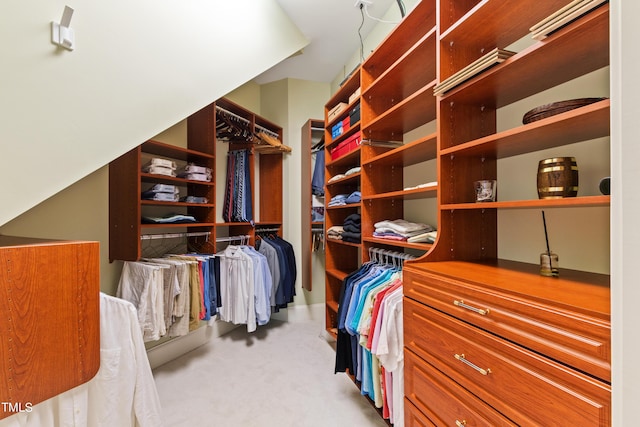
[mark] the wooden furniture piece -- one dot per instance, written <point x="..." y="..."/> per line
<point x="488" y="341"/>
<point x="396" y="100"/>
<point x="311" y="133"/>
<point x="341" y="258"/>
<point x="127" y="181"/>
<point x="491" y="341"/>
<point x="50" y="332"/>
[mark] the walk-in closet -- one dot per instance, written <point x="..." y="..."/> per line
<point x="292" y="213"/>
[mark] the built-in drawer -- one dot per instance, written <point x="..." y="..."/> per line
<point x="526" y="387"/>
<point x="413" y="417"/>
<point x="521" y="308"/>
<point x="442" y="400"/>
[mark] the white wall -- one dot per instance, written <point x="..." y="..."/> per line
<point x="138" y="68"/>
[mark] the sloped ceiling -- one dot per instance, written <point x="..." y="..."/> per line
<point x="138" y="68"/>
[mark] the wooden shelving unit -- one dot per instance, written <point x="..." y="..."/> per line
<point x="461" y="298"/>
<point x="516" y="333"/>
<point x="127" y="181"/>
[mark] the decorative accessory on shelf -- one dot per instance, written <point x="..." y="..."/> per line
<point x="557" y="178"/>
<point x="548" y="259"/>
<point x="485" y="190"/>
<point x="605" y="185"/>
<point x="548" y="110"/>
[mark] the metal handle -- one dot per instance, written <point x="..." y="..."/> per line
<point x="481" y="311"/>
<point x="461" y="423"/>
<point x="461" y="358"/>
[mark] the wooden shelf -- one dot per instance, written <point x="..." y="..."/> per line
<point x="490" y="24"/>
<point x="126" y="181"/>
<point x="577" y="49"/>
<point x="181" y="225"/>
<point x="399" y="244"/>
<point x="353" y="128"/>
<point x="333" y="306"/>
<point x="350" y="159"/>
<point x="341" y="242"/>
<point x="415" y="110"/>
<point x="337" y="274"/>
<point x="568" y="202"/>
<point x="418" y="151"/>
<point x="351" y="179"/>
<point x="161" y="149"/>
<point x="176" y="204"/>
<point x="158" y="179"/>
<point x="397" y="43"/>
<point x="414" y="70"/>
<point x="417" y="193"/>
<point x="581" y="124"/>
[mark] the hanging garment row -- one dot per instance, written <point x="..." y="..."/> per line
<point x="369" y="336"/>
<point x="241" y="285"/>
<point x="232" y="128"/>
<point x="238" y="198"/>
<point x="123" y="392"/>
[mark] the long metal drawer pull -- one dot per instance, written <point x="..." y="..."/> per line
<point x="461" y="423"/>
<point x="468" y="307"/>
<point x="461" y="358"/>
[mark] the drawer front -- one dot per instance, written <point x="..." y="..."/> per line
<point x="525" y="387"/>
<point x="413" y="417"/>
<point x="444" y="401"/>
<point x="575" y="339"/>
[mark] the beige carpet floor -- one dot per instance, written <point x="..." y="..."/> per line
<point x="281" y="375"/>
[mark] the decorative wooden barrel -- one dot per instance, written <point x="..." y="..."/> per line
<point x="557" y="178"/>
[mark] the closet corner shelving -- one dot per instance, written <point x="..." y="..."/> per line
<point x="312" y="132"/>
<point x="396" y="99"/>
<point x="127" y="181"/>
<point x="341" y="258"/>
<point x="536" y="335"/>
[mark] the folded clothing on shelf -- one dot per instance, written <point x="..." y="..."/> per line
<point x="194" y="172"/>
<point x="400" y="229"/>
<point x="428" y="237"/>
<point x="335" y="232"/>
<point x="338" y="200"/>
<point x="352" y="229"/>
<point x="168" y="219"/>
<point x="354" y="197"/>
<point x="194" y="199"/>
<point x="162" y="192"/>
<point x="159" y="166"/>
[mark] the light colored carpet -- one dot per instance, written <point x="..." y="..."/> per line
<point x="281" y="375"/>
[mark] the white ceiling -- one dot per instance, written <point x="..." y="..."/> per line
<point x="331" y="26"/>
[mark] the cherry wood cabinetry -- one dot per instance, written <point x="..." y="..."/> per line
<point x="504" y="344"/>
<point x="127" y="181"/>
<point x="488" y="341"/>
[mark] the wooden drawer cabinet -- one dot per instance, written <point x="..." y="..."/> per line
<point x="413" y="417"/>
<point x="526" y="387"/>
<point x="444" y="401"/>
<point x="533" y="311"/>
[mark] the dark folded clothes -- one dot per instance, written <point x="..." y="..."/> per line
<point x="351" y="228"/>
<point x="351" y="237"/>
<point x="355" y="218"/>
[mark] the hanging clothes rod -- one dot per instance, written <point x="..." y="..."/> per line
<point x="267" y="131"/>
<point x="266" y="230"/>
<point x="174" y="235"/>
<point x="233" y="238"/>
<point x="234" y="115"/>
<point x="261" y="128"/>
<point x="313" y="128"/>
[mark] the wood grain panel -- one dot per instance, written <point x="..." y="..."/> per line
<point x="50" y="332"/>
